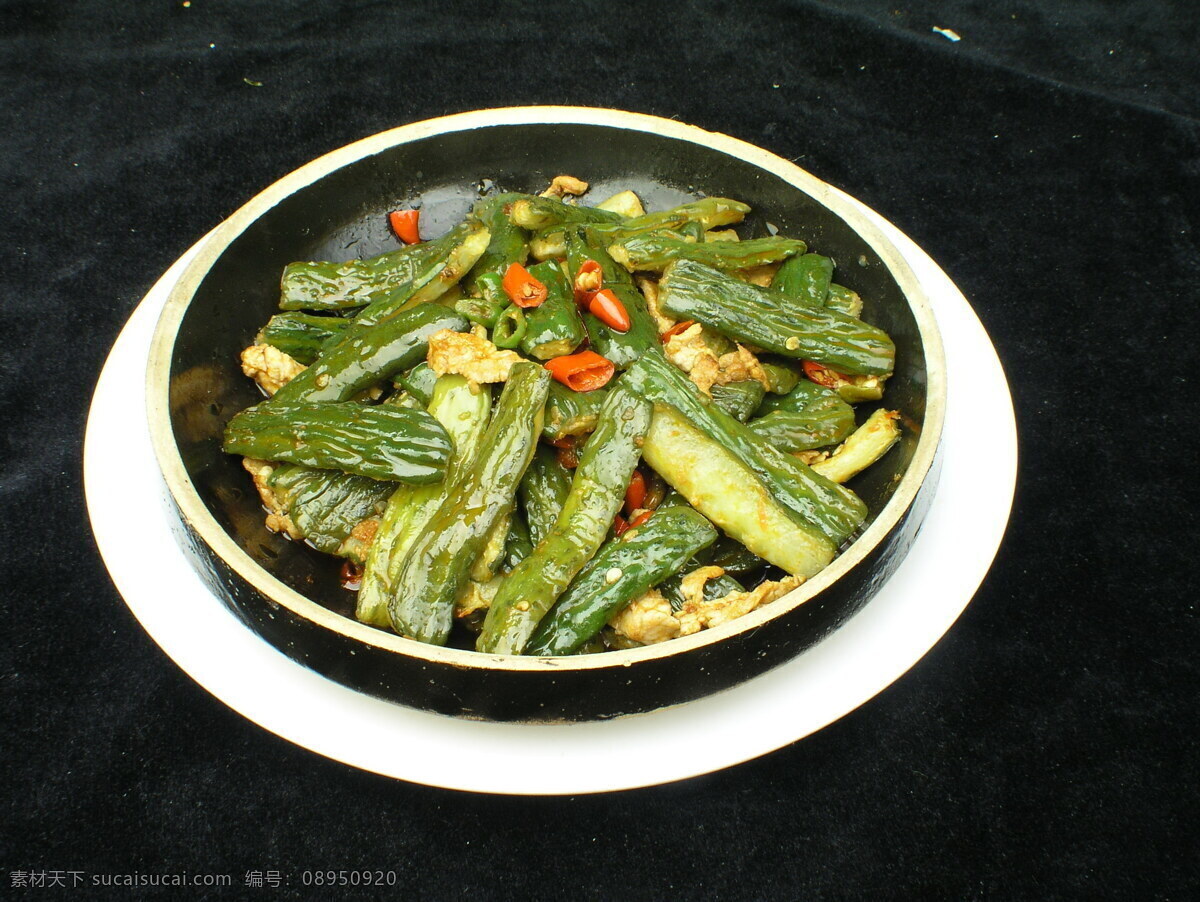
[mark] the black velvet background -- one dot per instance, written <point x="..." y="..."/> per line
<point x="1050" y="161"/>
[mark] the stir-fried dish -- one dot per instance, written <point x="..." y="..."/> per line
<point x="561" y="428"/>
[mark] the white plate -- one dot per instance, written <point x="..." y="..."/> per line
<point x="887" y="636"/>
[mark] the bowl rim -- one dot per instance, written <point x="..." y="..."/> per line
<point x="199" y="519"/>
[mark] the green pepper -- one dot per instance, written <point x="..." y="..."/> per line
<point x="464" y="414"/>
<point x="544" y="490"/>
<point x="325" y="505"/>
<point x="460" y="248"/>
<point x="554" y="325"/>
<point x="810" y="500"/>
<point x="368" y="355"/>
<point x="597" y="492"/>
<point x="570" y="412"/>
<point x="843" y="300"/>
<point x="738" y="399"/>
<point x="388" y="443"/>
<point x="355" y="283"/>
<point x="624" y="569"/>
<point x="519" y="544"/>
<point x="810" y="416"/>
<point x="438" y="565"/>
<point x="419" y="382"/>
<point x="708" y="213"/>
<point x="655" y="250"/>
<point x="508" y="244"/>
<point x="301" y="335"/>
<point x="511" y="327"/>
<point x="724" y="489"/>
<point x="537" y="213"/>
<point x="805" y="278"/>
<point x="752" y="315"/>
<point x="781" y="376"/>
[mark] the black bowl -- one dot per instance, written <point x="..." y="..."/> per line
<point x="334" y="208"/>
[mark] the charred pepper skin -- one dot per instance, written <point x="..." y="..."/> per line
<point x="384" y="442"/>
<point x="597" y="493"/>
<point x="753" y="315"/>
<point x="369" y="355"/>
<point x="439" y="562"/>
<point x="622" y="570"/>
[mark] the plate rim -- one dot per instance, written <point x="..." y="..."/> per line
<point x="288" y="692"/>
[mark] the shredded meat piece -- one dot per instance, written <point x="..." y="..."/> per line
<point x="469" y="354"/>
<point x="690" y="352"/>
<point x="697" y="614"/>
<point x="565" y="184"/>
<point x="277" y="518"/>
<point x="649" y="288"/>
<point x="270" y="367"/>
<point x="646" y="619"/>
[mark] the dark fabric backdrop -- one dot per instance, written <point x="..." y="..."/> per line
<point x="1050" y="161"/>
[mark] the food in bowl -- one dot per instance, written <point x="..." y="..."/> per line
<point x="560" y="428"/>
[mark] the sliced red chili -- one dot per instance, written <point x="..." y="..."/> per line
<point x="585" y="371"/>
<point x="607" y="308"/>
<point x="822" y="375"/>
<point x="406" y="225"/>
<point x="588" y="281"/>
<point x="619" y="525"/>
<point x="640" y="519"/>
<point x="522" y="288"/>
<point x="681" y="326"/>
<point x="635" y="494"/>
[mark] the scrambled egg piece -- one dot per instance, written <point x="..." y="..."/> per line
<point x="697" y="613"/>
<point x="811" y="457"/>
<point x="761" y="275"/>
<point x="689" y="351"/>
<point x="477" y="597"/>
<point x="646" y="619"/>
<point x="649" y="289"/>
<point x="270" y="367"/>
<point x="470" y="354"/>
<point x="565" y="184"/>
<point x="277" y="518"/>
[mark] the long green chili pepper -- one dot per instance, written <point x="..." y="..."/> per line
<point x="510" y="327"/>
<point x="301" y="335"/>
<point x="508" y="244"/>
<point x="325" y="505"/>
<point x="805" y="278"/>
<point x="464" y="414"/>
<point x="370" y="355"/>
<point x="544" y="490"/>
<point x="691" y="290"/>
<point x="439" y="562"/>
<point x="655" y="250"/>
<point x="571" y="413"/>
<point x="355" y="283"/>
<point x="389" y="443"/>
<point x="622" y="570"/>
<point x="809" y="499"/>
<point x="808" y="417"/>
<point x="597" y="492"/>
